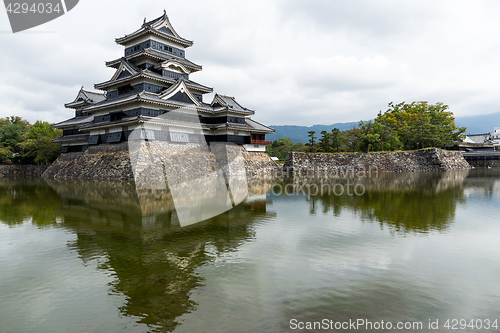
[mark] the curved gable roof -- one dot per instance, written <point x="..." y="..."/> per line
<point x="181" y="87"/>
<point x="161" y="27"/>
<point x="86" y="97"/>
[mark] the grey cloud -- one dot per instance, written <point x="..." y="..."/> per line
<point x="292" y="61"/>
<point x="375" y="18"/>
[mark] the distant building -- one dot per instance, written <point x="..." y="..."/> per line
<point x="496" y="133"/>
<point x="152" y="79"/>
<point x="477" y="143"/>
<point x="478" y="138"/>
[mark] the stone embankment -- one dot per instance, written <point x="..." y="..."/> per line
<point x="113" y="161"/>
<point x="422" y="160"/>
<point x="486" y="160"/>
<point x="21" y="171"/>
<point x="98" y="162"/>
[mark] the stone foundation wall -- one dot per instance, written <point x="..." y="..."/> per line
<point x="477" y="163"/>
<point x="422" y="160"/>
<point x="112" y="161"/>
<point x="22" y="171"/>
<point x="260" y="164"/>
<point x="98" y="162"/>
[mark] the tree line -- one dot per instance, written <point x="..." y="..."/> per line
<point x="404" y="126"/>
<point x="25" y="143"/>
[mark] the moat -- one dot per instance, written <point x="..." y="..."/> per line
<point x="100" y="256"/>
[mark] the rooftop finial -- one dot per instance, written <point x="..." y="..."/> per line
<point x="144" y="21"/>
<point x="164" y="12"/>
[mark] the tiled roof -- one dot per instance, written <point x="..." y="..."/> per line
<point x="478" y="138"/>
<point x="128" y="120"/>
<point x="176" y="123"/>
<point x="258" y="126"/>
<point x="229" y="102"/>
<point x="156" y="20"/>
<point x="131" y="67"/>
<point x="141" y="96"/>
<point x="87" y="97"/>
<point x="153" y="98"/>
<point x="162" y="56"/>
<point x="71" y="138"/>
<point x="180" y="86"/>
<point x="155" y="26"/>
<point x="94" y="97"/>
<point x="148" y="73"/>
<point x="169" y="57"/>
<point x="74" y="121"/>
<point x="151" y="120"/>
<point x="111" y="102"/>
<point x="189" y="83"/>
<point x="234" y="126"/>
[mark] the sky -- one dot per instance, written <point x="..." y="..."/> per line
<point x="294" y="62"/>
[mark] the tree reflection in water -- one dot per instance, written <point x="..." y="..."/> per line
<point x="405" y="202"/>
<point x="22" y="200"/>
<point x="135" y="236"/>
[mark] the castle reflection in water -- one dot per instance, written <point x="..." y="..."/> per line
<point x="136" y="236"/>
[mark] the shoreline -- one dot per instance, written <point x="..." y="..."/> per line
<point x="430" y="159"/>
<point x="109" y="163"/>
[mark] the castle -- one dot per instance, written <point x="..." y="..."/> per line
<point x="152" y="90"/>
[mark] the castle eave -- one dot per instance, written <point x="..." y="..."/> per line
<point x="73" y="122"/>
<point x="144" y="31"/>
<point x="123" y="122"/>
<point x="76" y="105"/>
<point x="72" y="138"/>
<point x="159" y="56"/>
<point x="155" y="77"/>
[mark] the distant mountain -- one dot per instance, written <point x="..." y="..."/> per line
<point x="484" y="123"/>
<point x="299" y="133"/>
<point x="475" y="125"/>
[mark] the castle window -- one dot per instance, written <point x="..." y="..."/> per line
<point x="124" y="90"/>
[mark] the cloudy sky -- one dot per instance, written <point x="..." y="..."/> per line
<point x="293" y="61"/>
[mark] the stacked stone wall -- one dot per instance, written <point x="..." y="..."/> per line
<point x="423" y="160"/>
<point x="113" y="161"/>
<point x="98" y="162"/>
<point x="22" y="171"/>
<point x="478" y="163"/>
<point x="260" y="164"/>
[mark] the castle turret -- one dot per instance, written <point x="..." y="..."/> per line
<point x="152" y="87"/>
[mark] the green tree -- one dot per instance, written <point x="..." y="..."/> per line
<point x="419" y="124"/>
<point x="352" y="139"/>
<point x="336" y="139"/>
<point x="367" y="135"/>
<point x="38" y="129"/>
<point x="298" y="147"/>
<point x="281" y="147"/>
<point x="324" y="144"/>
<point x="12" y="132"/>
<point x="38" y="148"/>
<point x="388" y="136"/>
<point x="312" y="137"/>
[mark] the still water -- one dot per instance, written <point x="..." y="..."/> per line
<point x="103" y="257"/>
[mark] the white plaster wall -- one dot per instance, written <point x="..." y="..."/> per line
<point x="257" y="148"/>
